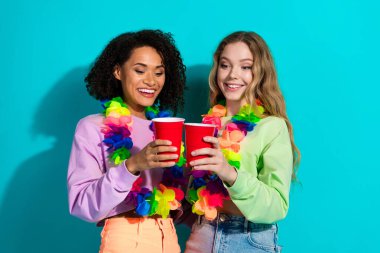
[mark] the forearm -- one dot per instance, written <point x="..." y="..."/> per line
<point x="261" y="189"/>
<point x="257" y="201"/>
<point x="92" y="199"/>
<point x="94" y="189"/>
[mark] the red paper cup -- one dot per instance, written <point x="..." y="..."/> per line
<point x="194" y="133"/>
<point x="169" y="129"/>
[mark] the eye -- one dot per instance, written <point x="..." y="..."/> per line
<point x="224" y="66"/>
<point x="246" y="67"/>
<point x="138" y="71"/>
<point x="159" y="73"/>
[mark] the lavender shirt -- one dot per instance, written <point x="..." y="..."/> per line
<point x="97" y="189"/>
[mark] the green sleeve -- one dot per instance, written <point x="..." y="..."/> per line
<point x="261" y="190"/>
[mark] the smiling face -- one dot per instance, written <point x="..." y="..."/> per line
<point x="234" y="72"/>
<point x="142" y="77"/>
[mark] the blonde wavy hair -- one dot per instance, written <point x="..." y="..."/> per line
<point x="264" y="84"/>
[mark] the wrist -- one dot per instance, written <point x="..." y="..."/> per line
<point x="230" y="176"/>
<point x="131" y="166"/>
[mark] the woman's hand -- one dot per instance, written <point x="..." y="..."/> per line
<point x="215" y="162"/>
<point x="150" y="157"/>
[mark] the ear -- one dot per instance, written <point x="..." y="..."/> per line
<point x="116" y="72"/>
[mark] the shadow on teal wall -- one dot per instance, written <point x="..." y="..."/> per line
<point x="35" y="210"/>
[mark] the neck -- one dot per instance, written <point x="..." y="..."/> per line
<point x="233" y="107"/>
<point x="137" y="111"/>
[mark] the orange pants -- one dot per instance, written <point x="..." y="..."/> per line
<point x="137" y="235"/>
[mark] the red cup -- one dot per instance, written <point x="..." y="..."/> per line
<point x="169" y="128"/>
<point x="194" y="133"/>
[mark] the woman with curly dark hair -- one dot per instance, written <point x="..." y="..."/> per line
<point x="115" y="174"/>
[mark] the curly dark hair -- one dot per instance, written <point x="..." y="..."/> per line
<point x="101" y="83"/>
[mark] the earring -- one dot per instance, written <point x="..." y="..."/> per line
<point x="157" y="103"/>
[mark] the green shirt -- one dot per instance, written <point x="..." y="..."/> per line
<point x="261" y="190"/>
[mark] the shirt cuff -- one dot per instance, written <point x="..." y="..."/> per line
<point x="243" y="183"/>
<point x="121" y="177"/>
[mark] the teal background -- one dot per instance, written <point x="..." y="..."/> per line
<point x="326" y="53"/>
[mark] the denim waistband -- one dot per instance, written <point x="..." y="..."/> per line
<point x="236" y="222"/>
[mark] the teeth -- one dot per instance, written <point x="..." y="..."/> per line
<point x="146" y="91"/>
<point x="233" y="86"/>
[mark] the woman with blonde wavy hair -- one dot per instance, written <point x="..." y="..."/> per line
<point x="241" y="190"/>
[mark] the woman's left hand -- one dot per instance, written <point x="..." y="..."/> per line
<point x="215" y="162"/>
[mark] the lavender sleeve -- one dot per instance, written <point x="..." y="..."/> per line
<point x="93" y="189"/>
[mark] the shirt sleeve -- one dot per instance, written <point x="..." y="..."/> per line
<point x="94" y="191"/>
<point x="264" y="197"/>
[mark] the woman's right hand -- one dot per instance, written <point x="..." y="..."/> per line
<point x="150" y="157"/>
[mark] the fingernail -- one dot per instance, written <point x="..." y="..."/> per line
<point x="191" y="163"/>
<point x="193" y="153"/>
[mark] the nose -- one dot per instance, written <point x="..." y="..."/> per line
<point x="149" y="79"/>
<point x="234" y="73"/>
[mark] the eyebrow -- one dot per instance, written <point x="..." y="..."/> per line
<point x="245" y="59"/>
<point x="144" y="65"/>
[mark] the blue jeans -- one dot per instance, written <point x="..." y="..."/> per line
<point x="229" y="233"/>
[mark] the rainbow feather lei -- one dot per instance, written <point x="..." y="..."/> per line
<point x="117" y="137"/>
<point x="206" y="191"/>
